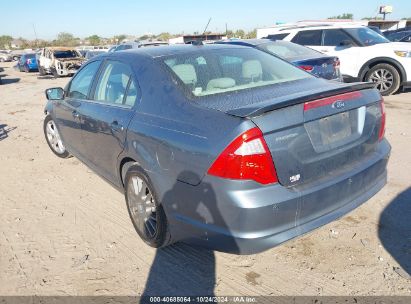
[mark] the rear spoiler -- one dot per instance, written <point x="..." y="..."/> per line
<point x="260" y="108"/>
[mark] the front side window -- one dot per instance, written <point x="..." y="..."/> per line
<point x="81" y="83"/>
<point x="228" y="70"/>
<point x="113" y="83"/>
<point x="335" y="37"/>
<point x="366" y="36"/>
<point x="308" y="37"/>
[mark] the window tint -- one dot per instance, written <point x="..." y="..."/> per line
<point x="335" y="37"/>
<point x="277" y="36"/>
<point x="113" y="82"/>
<point x="80" y="85"/>
<point x="230" y="70"/>
<point x="308" y="37"/>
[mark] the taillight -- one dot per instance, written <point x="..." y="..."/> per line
<point x="382" y="126"/>
<point x="307" y="68"/>
<point x="246" y="158"/>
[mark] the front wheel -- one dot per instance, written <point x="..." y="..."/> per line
<point x="386" y="78"/>
<point x="146" y="213"/>
<point x="53" y="138"/>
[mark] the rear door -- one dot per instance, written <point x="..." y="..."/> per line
<point x="107" y="116"/>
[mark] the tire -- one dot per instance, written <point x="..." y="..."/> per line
<point x="386" y="77"/>
<point x="26" y="69"/>
<point x="152" y="225"/>
<point x="54" y="73"/>
<point x="53" y="138"/>
<point x="41" y="71"/>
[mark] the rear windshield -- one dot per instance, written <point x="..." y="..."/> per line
<point x="66" y="54"/>
<point x="288" y="50"/>
<point x="220" y="71"/>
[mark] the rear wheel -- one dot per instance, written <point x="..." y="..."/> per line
<point x="386" y="78"/>
<point x="53" y="138"/>
<point x="146" y="213"/>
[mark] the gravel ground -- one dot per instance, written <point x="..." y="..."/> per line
<point x="65" y="231"/>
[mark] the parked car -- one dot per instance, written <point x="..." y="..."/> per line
<point x="27" y="63"/>
<point x="365" y="55"/>
<point x="136" y="45"/>
<point x="399" y="30"/>
<point x="5" y="57"/>
<point x="59" y="61"/>
<point x="404" y="36"/>
<point x="314" y="62"/>
<point x="91" y="54"/>
<point x="220" y="145"/>
<point x="1" y="74"/>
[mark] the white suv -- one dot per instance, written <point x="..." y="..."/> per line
<point x="364" y="54"/>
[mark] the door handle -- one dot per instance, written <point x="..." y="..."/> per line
<point x="75" y="114"/>
<point x="115" y="126"/>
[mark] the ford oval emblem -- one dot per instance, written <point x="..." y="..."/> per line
<point x="339" y="104"/>
<point x="324" y="65"/>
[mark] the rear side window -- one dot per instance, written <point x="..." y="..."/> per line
<point x="335" y="37"/>
<point x="114" y="83"/>
<point x="277" y="36"/>
<point x="81" y="83"/>
<point x="308" y="37"/>
<point x="228" y="70"/>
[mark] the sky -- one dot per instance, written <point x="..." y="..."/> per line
<point x="107" y="18"/>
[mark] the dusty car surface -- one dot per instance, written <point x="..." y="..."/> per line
<point x="59" y="61"/>
<point x="219" y="145"/>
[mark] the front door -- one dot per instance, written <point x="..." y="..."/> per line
<point x="106" y="117"/>
<point x="67" y="113"/>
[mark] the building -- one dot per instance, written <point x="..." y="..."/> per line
<point x="185" y="39"/>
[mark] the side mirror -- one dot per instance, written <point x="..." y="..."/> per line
<point x="346" y="43"/>
<point x="55" y="94"/>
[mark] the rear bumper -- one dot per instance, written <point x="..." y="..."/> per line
<point x="245" y="218"/>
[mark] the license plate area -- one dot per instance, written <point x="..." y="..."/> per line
<point x="333" y="131"/>
<point x="334" y="128"/>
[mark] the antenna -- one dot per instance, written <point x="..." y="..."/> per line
<point x="209" y="20"/>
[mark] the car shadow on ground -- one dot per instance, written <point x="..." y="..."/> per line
<point x="394" y="231"/>
<point x="9" y="80"/>
<point x="186" y="269"/>
<point x="46" y="77"/>
<point x="4" y="131"/>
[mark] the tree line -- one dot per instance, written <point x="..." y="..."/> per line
<point x="68" y="39"/>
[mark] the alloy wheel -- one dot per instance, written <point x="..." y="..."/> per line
<point x="383" y="79"/>
<point x="54" y="139"/>
<point x="142" y="207"/>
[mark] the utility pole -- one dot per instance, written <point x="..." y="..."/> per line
<point x="35" y="34"/>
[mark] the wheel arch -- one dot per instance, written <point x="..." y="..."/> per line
<point x="125" y="163"/>
<point x="387" y="60"/>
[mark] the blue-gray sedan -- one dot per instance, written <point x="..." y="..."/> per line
<point x="220" y="145"/>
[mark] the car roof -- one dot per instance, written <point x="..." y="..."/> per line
<point x="285" y="29"/>
<point x="176" y="49"/>
<point x="250" y="42"/>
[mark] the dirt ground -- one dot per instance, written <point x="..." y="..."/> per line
<point x="65" y="231"/>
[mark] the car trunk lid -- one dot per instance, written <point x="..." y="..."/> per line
<point x="320" y="138"/>
<point x="324" y="67"/>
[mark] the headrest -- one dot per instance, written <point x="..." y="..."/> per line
<point x="220" y="83"/>
<point x="186" y="73"/>
<point x="252" y="69"/>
